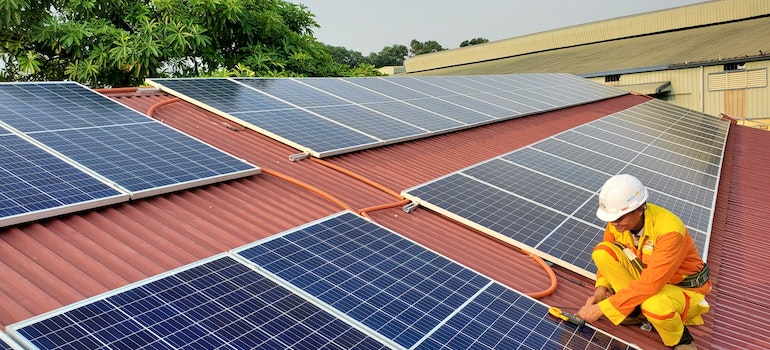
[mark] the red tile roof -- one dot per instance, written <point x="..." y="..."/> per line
<point x="55" y="262"/>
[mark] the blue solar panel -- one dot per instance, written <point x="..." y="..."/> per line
<point x="216" y="304"/>
<point x="329" y="116"/>
<point x="146" y="158"/>
<point x="139" y="155"/>
<point x="409" y="294"/>
<point x="536" y="196"/>
<point x="35" y="183"/>
<point x="6" y="343"/>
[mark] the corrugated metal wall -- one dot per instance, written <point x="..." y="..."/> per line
<point x="690" y="89"/>
<point x="680" y="17"/>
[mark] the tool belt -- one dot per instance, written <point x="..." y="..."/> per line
<point x="697" y="279"/>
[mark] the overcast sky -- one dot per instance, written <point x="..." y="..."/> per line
<point x="369" y="25"/>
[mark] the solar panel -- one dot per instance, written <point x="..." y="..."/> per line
<point x="543" y="197"/>
<point x="408" y="293"/>
<point x="36" y="184"/>
<point x="6" y="343"/>
<point x="330" y="116"/>
<point x="216" y="303"/>
<point x="138" y="154"/>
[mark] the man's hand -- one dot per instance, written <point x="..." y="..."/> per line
<point x="590" y="313"/>
<point x="600" y="293"/>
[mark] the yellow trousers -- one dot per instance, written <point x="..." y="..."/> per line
<point x="668" y="311"/>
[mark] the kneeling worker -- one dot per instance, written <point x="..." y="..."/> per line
<point x="648" y="266"/>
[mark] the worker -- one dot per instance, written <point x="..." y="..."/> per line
<point x="648" y="266"/>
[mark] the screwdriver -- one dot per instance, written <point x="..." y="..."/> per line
<point x="566" y="316"/>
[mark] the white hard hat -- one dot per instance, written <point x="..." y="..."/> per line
<point x="621" y="194"/>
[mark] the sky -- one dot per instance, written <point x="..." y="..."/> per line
<point x="368" y="26"/>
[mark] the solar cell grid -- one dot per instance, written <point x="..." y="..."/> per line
<point x="216" y="303"/>
<point x="143" y="157"/>
<point x="345" y="89"/>
<point x="399" y="293"/>
<point x="560" y="168"/>
<point x="369" y="122"/>
<point x="675" y="163"/>
<point x="408" y="293"/>
<point x="31" y="107"/>
<point x="419" y="117"/>
<point x="451" y="110"/>
<point x="388" y="87"/>
<point x="33" y="180"/>
<point x="223" y="95"/>
<point x="441" y="104"/>
<point x="291" y="90"/>
<point x="6" y="343"/>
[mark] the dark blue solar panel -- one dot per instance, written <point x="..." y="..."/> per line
<point x="33" y="180"/>
<point x="408" y="293"/>
<point x="500" y="318"/>
<point x="307" y="131"/>
<point x="30" y="107"/>
<point x="536" y="196"/>
<point x="6" y="343"/>
<point x="378" y="278"/>
<point x="218" y="303"/>
<point x="142" y="157"/>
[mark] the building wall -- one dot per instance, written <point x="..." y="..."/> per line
<point x="708" y="12"/>
<point x="694" y="88"/>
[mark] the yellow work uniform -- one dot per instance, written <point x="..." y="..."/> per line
<point x="668" y="255"/>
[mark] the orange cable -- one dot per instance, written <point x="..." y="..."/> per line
<point x="358" y="177"/>
<point x="160" y="104"/>
<point x="364" y="212"/>
<point x="548" y="270"/>
<point x="307" y="186"/>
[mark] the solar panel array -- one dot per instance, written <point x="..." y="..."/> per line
<point x="408" y="294"/>
<point x="543" y="197"/>
<point x="67" y="148"/>
<point x="341" y="282"/>
<point x="329" y="116"/>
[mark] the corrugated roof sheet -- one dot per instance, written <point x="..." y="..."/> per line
<point x="743" y="39"/>
<point x="55" y="262"/>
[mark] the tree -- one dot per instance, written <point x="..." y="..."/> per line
<point x="389" y="56"/>
<point x="347" y="57"/>
<point x="419" y="48"/>
<point x="474" y="41"/>
<point x="120" y="42"/>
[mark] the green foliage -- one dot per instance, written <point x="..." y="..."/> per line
<point x="347" y="57"/>
<point x="389" y="56"/>
<point x="419" y="48"/>
<point x="121" y="42"/>
<point x="474" y="41"/>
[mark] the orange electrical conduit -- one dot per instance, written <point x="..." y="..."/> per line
<point x="161" y="104"/>
<point x="307" y="186"/>
<point x="548" y="270"/>
<point x="358" y="177"/>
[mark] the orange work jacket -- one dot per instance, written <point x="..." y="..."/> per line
<point x="666" y="250"/>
